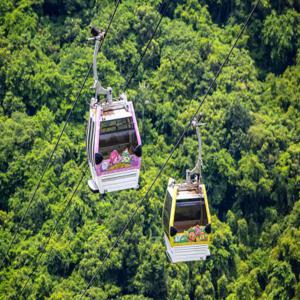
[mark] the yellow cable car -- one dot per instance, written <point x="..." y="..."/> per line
<point x="186" y="216"/>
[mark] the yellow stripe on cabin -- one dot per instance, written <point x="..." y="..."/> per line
<point x="206" y="204"/>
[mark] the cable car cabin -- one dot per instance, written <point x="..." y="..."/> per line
<point x="187" y="222"/>
<point x="113" y="146"/>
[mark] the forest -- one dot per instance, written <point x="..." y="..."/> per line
<point x="56" y="236"/>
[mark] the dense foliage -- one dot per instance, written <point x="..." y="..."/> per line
<point x="251" y="147"/>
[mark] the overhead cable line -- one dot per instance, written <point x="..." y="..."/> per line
<point x="16" y="228"/>
<point x="16" y="231"/>
<point x="56" y="223"/>
<point x="120" y="235"/>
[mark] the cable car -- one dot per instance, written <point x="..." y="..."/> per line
<point x="113" y="142"/>
<point x="186" y="216"/>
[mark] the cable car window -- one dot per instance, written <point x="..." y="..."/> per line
<point x="92" y="142"/>
<point x="187" y="211"/>
<point x="116" y="125"/>
<point x="167" y="211"/>
<point x="187" y="214"/>
<point x="117" y="135"/>
<point x="88" y="140"/>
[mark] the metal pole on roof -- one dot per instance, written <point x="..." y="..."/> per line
<point x="99" y="89"/>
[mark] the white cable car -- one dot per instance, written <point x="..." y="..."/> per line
<point x="113" y="143"/>
<point x="186" y="216"/>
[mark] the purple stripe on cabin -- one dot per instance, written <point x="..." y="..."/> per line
<point x="136" y="128"/>
<point x="98" y="118"/>
<point x="135" y="164"/>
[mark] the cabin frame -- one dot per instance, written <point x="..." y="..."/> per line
<point x="187" y="250"/>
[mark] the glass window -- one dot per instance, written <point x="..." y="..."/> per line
<point x="188" y="213"/>
<point x="116" y="125"/>
<point x="92" y="142"/>
<point x="89" y="141"/>
<point x="167" y="211"/>
<point x="187" y="210"/>
<point x="117" y="135"/>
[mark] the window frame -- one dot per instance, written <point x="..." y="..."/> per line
<point x="167" y="211"/>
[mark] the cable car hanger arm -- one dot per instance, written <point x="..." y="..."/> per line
<point x="197" y="169"/>
<point x="99" y="89"/>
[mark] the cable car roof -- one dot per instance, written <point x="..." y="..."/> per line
<point x="184" y="195"/>
<point x="112" y="114"/>
<point x="188" y="191"/>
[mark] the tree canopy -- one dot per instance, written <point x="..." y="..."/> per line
<point x="251" y="148"/>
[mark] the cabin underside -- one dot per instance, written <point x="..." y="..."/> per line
<point x="118" y="181"/>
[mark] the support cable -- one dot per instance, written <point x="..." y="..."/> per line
<point x="56" y="223"/>
<point x="17" y="226"/>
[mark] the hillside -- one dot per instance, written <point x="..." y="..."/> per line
<point x="251" y="148"/>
